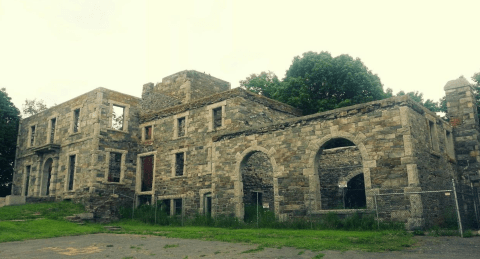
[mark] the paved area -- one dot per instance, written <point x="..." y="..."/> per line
<point x="138" y="246"/>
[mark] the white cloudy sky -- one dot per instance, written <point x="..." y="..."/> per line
<point x="57" y="49"/>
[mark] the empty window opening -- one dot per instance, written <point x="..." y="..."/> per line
<point x="181" y="127"/>
<point x="179" y="163"/>
<point x="71" y="171"/>
<point x="449" y="144"/>
<point x="336" y="161"/>
<point x="355" y="193"/>
<point x="76" y="120"/>
<point x="53" y="123"/>
<point x="118" y="117"/>
<point x="46" y="176"/>
<point x="147" y="173"/>
<point x="164" y="206"/>
<point x="32" y="136"/>
<point x="148" y="132"/>
<point x="27" y="180"/>
<point x="178" y="206"/>
<point x="431" y="128"/>
<point x="207" y="204"/>
<point x="217" y="117"/>
<point x="114" y="167"/>
<point x="144" y="200"/>
<point x="257" y="177"/>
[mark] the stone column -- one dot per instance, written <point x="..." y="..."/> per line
<point x="462" y="114"/>
<point x="54" y="177"/>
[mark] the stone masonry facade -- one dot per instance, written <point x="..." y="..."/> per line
<point x="194" y="145"/>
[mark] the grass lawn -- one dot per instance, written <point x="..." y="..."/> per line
<point x="46" y="220"/>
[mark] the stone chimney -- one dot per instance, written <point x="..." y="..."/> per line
<point x="462" y="114"/>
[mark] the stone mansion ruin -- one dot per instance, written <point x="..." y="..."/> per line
<point x="194" y="145"/>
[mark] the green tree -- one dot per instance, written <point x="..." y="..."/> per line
<point x="418" y="97"/>
<point x="32" y="107"/>
<point x="265" y="83"/>
<point x="318" y="82"/>
<point x="9" y="119"/>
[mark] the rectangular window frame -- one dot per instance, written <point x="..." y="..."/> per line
<point x="68" y="175"/>
<point x="174" y="162"/>
<point x="171" y="199"/>
<point x="32" y="135"/>
<point x="122" y="165"/>
<point x="49" y="130"/>
<point x="176" y="118"/>
<point x="211" y="119"/>
<point x="138" y="182"/>
<point x="75" y="127"/>
<point x="203" y="194"/>
<point x="449" y="145"/>
<point x="126" y="111"/>
<point x="143" y="128"/>
<point x="432" y="129"/>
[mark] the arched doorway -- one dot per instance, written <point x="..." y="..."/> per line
<point x="337" y="161"/>
<point x="257" y="177"/>
<point x="46" y="177"/>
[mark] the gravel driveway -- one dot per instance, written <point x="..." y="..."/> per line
<point x="138" y="246"/>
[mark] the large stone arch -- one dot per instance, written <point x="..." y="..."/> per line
<point x="47" y="187"/>
<point x="314" y="149"/>
<point x="238" y="181"/>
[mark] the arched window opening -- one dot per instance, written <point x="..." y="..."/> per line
<point x="355" y="193"/>
<point x="338" y="160"/>
<point x="257" y="177"/>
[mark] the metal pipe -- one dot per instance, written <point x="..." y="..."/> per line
<point x="460" y="227"/>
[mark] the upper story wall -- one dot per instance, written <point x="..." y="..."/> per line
<point x="180" y="88"/>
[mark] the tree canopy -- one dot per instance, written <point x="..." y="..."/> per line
<point x="318" y="82"/>
<point x="32" y="107"/>
<point x="9" y="119"/>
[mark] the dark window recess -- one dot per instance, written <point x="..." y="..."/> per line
<point x="27" y="175"/>
<point x="355" y="193"/>
<point x="148" y="132"/>
<point x="164" y="206"/>
<point x="179" y="163"/>
<point x="181" y="127"/>
<point x="71" y="172"/>
<point x="32" y="136"/>
<point x="217" y="117"/>
<point x="117" y="117"/>
<point x="147" y="173"/>
<point x="257" y="198"/>
<point x="114" y="167"/>
<point x="178" y="206"/>
<point x="53" y="124"/>
<point x="144" y="200"/>
<point x="76" y="120"/>
<point x="208" y="204"/>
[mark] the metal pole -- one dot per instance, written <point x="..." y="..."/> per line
<point x="257" y="209"/>
<point x="133" y="204"/>
<point x="460" y="228"/>
<point x="474" y="203"/>
<point x="155" y="200"/>
<point x="376" y="209"/>
<point x="343" y="194"/>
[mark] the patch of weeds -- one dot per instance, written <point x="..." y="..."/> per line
<point x="109" y="245"/>
<point x="216" y="252"/>
<point x="152" y="254"/>
<point x="468" y="233"/>
<point x="418" y="232"/>
<point x="186" y="257"/>
<point x="170" y="246"/>
<point x="259" y="248"/>
<point x="301" y="252"/>
<point x="318" y="256"/>
<point x="202" y="255"/>
<point x="127" y="257"/>
<point x="133" y="247"/>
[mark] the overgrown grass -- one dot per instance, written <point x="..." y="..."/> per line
<point x="46" y="220"/>
<point x="301" y="239"/>
<point x="49" y="210"/>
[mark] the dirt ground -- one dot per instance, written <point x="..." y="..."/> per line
<point x="137" y="246"/>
